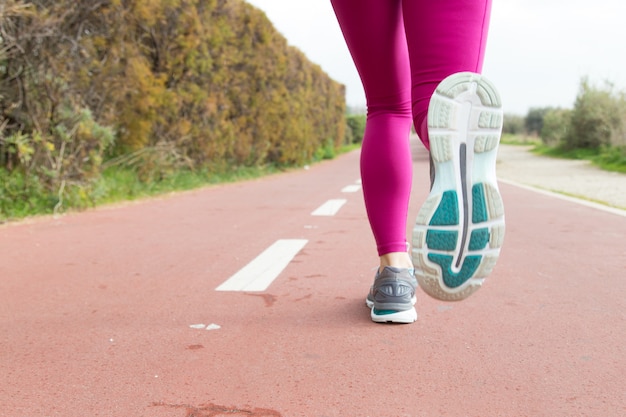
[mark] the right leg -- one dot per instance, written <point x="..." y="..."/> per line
<point x="375" y="36"/>
<point x="374" y="33"/>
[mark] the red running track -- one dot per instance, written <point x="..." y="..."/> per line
<point x="96" y="309"/>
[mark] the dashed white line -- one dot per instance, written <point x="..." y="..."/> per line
<point x="202" y="326"/>
<point x="329" y="208"/>
<point x="265" y="268"/>
<point x="351" y="188"/>
<point x="259" y="274"/>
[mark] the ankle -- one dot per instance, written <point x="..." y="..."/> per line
<point x="395" y="259"/>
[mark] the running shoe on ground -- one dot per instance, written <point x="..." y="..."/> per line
<point x="460" y="228"/>
<point x="392" y="296"/>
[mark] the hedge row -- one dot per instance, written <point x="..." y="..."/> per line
<point x="157" y="84"/>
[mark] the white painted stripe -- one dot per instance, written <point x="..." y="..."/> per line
<point x="202" y="326"/>
<point x="597" y="206"/>
<point x="263" y="270"/>
<point x="351" y="188"/>
<point x="329" y="208"/>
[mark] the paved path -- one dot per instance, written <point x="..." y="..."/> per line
<point x="114" y="312"/>
<point x="571" y="177"/>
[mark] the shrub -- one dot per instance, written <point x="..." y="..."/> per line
<point x="534" y="120"/>
<point x="556" y="125"/>
<point x="165" y="83"/>
<point x="513" y="124"/>
<point x="355" y="130"/>
<point x="612" y="158"/>
<point x="597" y="118"/>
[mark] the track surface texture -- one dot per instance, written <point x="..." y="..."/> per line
<point x="115" y="312"/>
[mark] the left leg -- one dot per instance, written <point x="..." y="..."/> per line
<point x="443" y="37"/>
<point x="460" y="228"/>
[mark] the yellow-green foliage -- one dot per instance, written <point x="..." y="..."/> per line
<point x="211" y="79"/>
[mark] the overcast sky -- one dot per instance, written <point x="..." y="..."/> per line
<point x="537" y="52"/>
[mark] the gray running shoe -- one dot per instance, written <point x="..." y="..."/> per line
<point x="392" y="296"/>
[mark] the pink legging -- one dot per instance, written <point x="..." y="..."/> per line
<point x="402" y="49"/>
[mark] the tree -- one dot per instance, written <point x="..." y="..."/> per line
<point x="556" y="125"/>
<point x="534" y="120"/>
<point x="513" y="124"/>
<point x="597" y="117"/>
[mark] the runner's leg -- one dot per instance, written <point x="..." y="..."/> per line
<point x="375" y="36"/>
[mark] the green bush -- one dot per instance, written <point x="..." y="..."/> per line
<point x="612" y="158"/>
<point x="355" y="130"/>
<point x="155" y="86"/>
<point x="556" y="125"/>
<point x="513" y="124"/>
<point x="61" y="161"/>
<point x="597" y="118"/>
<point x="22" y="195"/>
<point x="533" y="122"/>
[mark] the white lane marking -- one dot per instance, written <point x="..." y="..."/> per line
<point x="597" y="206"/>
<point x="202" y="326"/>
<point x="329" y="208"/>
<point x="263" y="270"/>
<point x="351" y="188"/>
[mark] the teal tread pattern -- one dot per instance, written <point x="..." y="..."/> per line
<point x="384" y="312"/>
<point x="479" y="205"/>
<point x="452" y="279"/>
<point x="479" y="239"/>
<point x="442" y="239"/>
<point x="447" y="213"/>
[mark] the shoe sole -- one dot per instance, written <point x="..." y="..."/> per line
<point x="392" y="316"/>
<point x="385" y="316"/>
<point x="370" y="304"/>
<point x="460" y="228"/>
